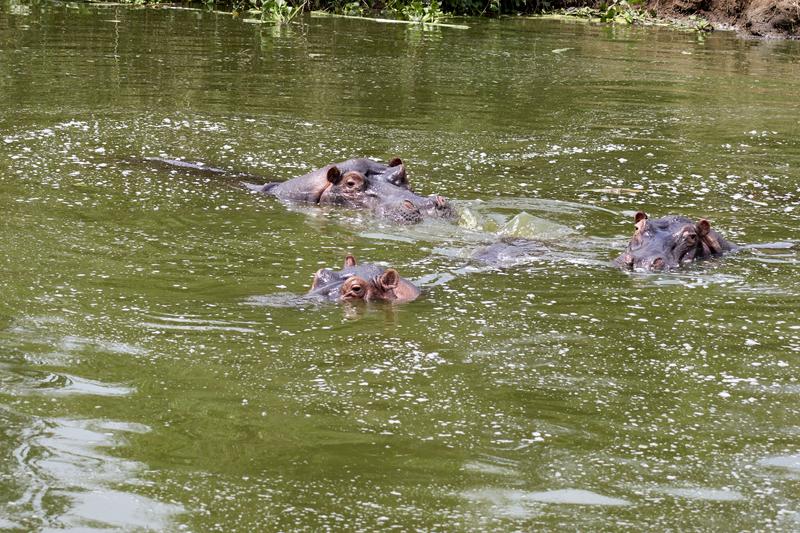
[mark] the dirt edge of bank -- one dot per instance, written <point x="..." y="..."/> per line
<point x="770" y="19"/>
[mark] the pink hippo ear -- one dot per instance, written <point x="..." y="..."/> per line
<point x="395" y="162"/>
<point x="638" y="217"/>
<point x="389" y="279"/>
<point x="710" y="243"/>
<point x="349" y="261"/>
<point x="703" y="227"/>
<point x="334" y="175"/>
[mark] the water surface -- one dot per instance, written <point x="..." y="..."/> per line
<point x="151" y="376"/>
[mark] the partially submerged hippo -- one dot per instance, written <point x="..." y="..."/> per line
<point x="364" y="282"/>
<point x="361" y="183"/>
<point x="509" y="251"/>
<point x="667" y="242"/>
<point x="311" y="187"/>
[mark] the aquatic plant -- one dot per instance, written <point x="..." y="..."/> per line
<point x="276" y="10"/>
<point x="700" y="24"/>
<point x="421" y="12"/>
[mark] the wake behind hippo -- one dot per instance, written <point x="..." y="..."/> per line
<point x="362" y="282"/>
<point x="364" y="184"/>
<point x="668" y="242"/>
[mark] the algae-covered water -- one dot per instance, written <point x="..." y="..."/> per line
<point x="156" y="373"/>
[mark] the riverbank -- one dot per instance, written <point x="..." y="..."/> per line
<point x="752" y="18"/>
<point x="768" y="19"/>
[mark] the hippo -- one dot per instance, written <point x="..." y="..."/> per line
<point x="668" y="242"/>
<point x="365" y="282"/>
<point x="310" y="187"/>
<point x="357" y="183"/>
<point x="508" y="251"/>
<point x="362" y="183"/>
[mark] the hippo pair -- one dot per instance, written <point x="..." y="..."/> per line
<point x="365" y="184"/>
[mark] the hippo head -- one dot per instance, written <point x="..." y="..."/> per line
<point x="666" y="243"/>
<point x="386" y="194"/>
<point x="348" y="189"/>
<point x="401" y="204"/>
<point x="386" y="286"/>
<point x="367" y="283"/>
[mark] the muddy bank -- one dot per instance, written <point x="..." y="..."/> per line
<point x="756" y="18"/>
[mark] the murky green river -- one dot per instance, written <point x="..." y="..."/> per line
<point x="155" y="375"/>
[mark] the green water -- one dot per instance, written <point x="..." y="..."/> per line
<point x="154" y="373"/>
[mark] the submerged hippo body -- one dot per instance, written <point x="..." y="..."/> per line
<point x="364" y="282"/>
<point x="509" y="251"/>
<point x="362" y="183"/>
<point x="668" y="242"/>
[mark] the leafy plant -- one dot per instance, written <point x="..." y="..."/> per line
<point x="354" y="8"/>
<point x="419" y="12"/>
<point x="700" y="24"/>
<point x="275" y="10"/>
<point x="618" y="11"/>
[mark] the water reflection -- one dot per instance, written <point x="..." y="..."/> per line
<point x="59" y="470"/>
<point x="70" y="481"/>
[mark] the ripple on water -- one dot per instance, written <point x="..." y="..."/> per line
<point x="189" y="323"/>
<point x="18" y="379"/>
<point x="68" y="477"/>
<point x="790" y="463"/>
<point x="522" y="504"/>
<point x="701" y="493"/>
<point x="493" y="465"/>
<point x="64" y="384"/>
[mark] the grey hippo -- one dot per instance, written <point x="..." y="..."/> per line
<point x="668" y="242"/>
<point x="365" y="184"/>
<point x="362" y="282"/>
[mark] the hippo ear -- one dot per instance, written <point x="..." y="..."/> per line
<point x="389" y="279"/>
<point x="703" y="227"/>
<point x="334" y="175"/>
<point x="315" y="282"/>
<point x="395" y="162"/>
<point x="349" y="261"/>
<point x="641" y="215"/>
<point x="710" y="243"/>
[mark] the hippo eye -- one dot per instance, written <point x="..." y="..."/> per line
<point x="357" y="289"/>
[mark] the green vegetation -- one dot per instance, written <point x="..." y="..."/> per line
<point x="266" y="10"/>
<point x="625" y="12"/>
<point x="628" y="12"/>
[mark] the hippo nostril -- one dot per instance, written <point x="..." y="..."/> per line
<point x="408" y="204"/>
<point x="657" y="264"/>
